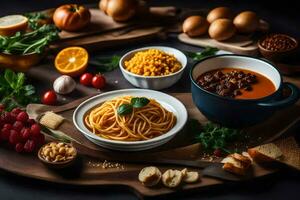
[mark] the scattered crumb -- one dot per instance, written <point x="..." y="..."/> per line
<point x="106" y="165"/>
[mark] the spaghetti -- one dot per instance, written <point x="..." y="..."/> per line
<point x="143" y="123"/>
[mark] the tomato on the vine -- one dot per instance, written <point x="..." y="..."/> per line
<point x="49" y="98"/>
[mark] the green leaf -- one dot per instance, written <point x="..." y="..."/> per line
<point x="139" y="102"/>
<point x="29" y="90"/>
<point x="196" y="56"/>
<point x="105" y="64"/>
<point x="10" y="77"/>
<point x="125" y="109"/>
<point x="20" y="80"/>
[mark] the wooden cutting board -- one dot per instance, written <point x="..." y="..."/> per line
<point x="239" y="44"/>
<point x="103" y="31"/>
<point x="88" y="169"/>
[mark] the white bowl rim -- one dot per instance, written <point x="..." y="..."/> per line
<point x="152" y="47"/>
<point x="183" y="116"/>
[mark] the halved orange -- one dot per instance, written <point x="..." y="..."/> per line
<point x="72" y="61"/>
<point x="11" y="24"/>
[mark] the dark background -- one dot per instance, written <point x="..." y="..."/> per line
<point x="282" y="15"/>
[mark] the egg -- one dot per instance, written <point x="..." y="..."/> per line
<point x="246" y="22"/>
<point x="221" y="29"/>
<point x="195" y="26"/>
<point x="218" y="13"/>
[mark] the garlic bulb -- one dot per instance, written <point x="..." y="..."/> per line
<point x="64" y="84"/>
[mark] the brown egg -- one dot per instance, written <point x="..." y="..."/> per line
<point x="221" y="29"/>
<point x="218" y="13"/>
<point x="195" y="26"/>
<point x="246" y="22"/>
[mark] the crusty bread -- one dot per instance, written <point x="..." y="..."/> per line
<point x="246" y="162"/>
<point x="265" y="153"/>
<point x="172" y="178"/>
<point x="150" y="176"/>
<point x="247" y="155"/>
<point x="191" y="177"/>
<point x="236" y="164"/>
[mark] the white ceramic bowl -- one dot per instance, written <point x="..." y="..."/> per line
<point x="168" y="102"/>
<point x="154" y="82"/>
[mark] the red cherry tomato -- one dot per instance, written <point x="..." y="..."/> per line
<point x="49" y="98"/>
<point x="86" y="79"/>
<point x="98" y="81"/>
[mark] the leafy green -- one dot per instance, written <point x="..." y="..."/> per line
<point x="106" y="64"/>
<point x="214" y="137"/>
<point x="31" y="42"/>
<point x="138" y="102"/>
<point x="125" y="109"/>
<point x="14" y="92"/>
<point x="34" y="19"/>
<point x="58" y="135"/>
<point x="196" y="56"/>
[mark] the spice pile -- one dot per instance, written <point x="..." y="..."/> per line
<point x="278" y="42"/>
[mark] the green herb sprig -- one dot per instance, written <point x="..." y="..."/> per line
<point x="13" y="90"/>
<point x="196" y="56"/>
<point x="35" y="18"/>
<point x="105" y="64"/>
<point x="214" y="137"/>
<point x="136" y="102"/>
<point x="31" y="42"/>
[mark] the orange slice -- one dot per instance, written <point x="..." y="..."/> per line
<point x="11" y="24"/>
<point x="72" y="61"/>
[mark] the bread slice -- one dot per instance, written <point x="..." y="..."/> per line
<point x="172" y="178"/>
<point x="189" y="176"/>
<point x="233" y="165"/>
<point x="150" y="176"/>
<point x="265" y="153"/>
<point x="246" y="162"/>
<point x="247" y="155"/>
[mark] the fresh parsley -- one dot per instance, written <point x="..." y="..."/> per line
<point x="196" y="56"/>
<point x="105" y="64"/>
<point x="214" y="137"/>
<point x="13" y="90"/>
<point x="136" y="102"/>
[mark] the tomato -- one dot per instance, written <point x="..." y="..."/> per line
<point x="49" y="98"/>
<point x="71" y="17"/>
<point x="98" y="81"/>
<point x="86" y="79"/>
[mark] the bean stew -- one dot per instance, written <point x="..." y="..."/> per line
<point x="236" y="83"/>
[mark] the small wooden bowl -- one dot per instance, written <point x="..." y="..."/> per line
<point x="277" y="55"/>
<point x="19" y="62"/>
<point x="60" y="164"/>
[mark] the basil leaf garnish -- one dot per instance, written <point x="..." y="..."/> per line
<point x="139" y="102"/>
<point x="125" y="109"/>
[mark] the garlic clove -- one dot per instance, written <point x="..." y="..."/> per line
<point x="64" y="84"/>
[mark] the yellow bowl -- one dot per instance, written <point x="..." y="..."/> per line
<point x="19" y="62"/>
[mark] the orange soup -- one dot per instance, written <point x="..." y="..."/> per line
<point x="236" y="83"/>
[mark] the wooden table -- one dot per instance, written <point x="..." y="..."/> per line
<point x="280" y="186"/>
